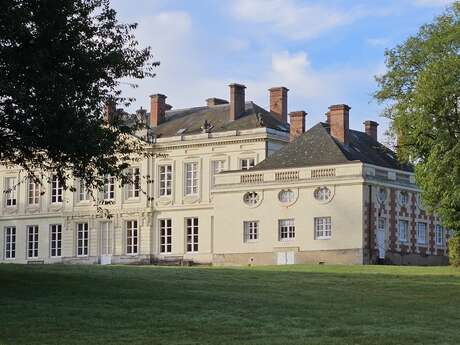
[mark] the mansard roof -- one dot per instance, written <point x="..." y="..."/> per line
<point x="190" y="120"/>
<point x="317" y="147"/>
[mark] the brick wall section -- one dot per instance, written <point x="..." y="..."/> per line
<point x="431" y="235"/>
<point x="413" y="224"/>
<point x="392" y="220"/>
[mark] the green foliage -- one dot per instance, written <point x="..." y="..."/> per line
<point x="60" y="62"/>
<point x="421" y="90"/>
<point x="454" y="250"/>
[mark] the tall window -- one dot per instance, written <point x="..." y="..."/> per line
<point x="133" y="187"/>
<point x="421" y="233"/>
<point x="247" y="163"/>
<point x="132" y="237"/>
<point x="83" y="193"/>
<point x="165" y="180"/>
<point x="82" y="239"/>
<point x="286" y="229"/>
<point x="33" y="192"/>
<point x="192" y="234"/>
<point x="10" y="191"/>
<point x="439" y="236"/>
<point x="403" y="230"/>
<point x="216" y="168"/>
<point x="165" y="236"/>
<point x="56" y="190"/>
<point x="251" y="231"/>
<point x="109" y="188"/>
<point x="55" y="240"/>
<point x="106" y="238"/>
<point x="10" y="242"/>
<point x="191" y="178"/>
<point x="323" y="228"/>
<point x="32" y="241"/>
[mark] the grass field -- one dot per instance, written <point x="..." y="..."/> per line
<point x="89" y="305"/>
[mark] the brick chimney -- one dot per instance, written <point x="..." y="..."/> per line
<point x="212" y="102"/>
<point x="157" y="109"/>
<point x="237" y="102"/>
<point x="297" y="124"/>
<point x="370" y="127"/>
<point x="278" y="102"/>
<point x="109" y="111"/>
<point x="339" y="121"/>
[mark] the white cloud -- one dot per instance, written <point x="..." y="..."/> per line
<point x="292" y="19"/>
<point x="433" y="2"/>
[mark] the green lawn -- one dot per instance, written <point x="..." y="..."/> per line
<point x="266" y="305"/>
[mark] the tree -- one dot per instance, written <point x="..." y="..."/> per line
<point x="61" y="61"/>
<point x="421" y="90"/>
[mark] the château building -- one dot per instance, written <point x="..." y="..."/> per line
<point x="231" y="183"/>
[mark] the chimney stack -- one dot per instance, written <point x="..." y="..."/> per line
<point x="157" y="109"/>
<point x="109" y="111"/>
<point x="237" y="102"/>
<point x="297" y="124"/>
<point x="370" y="127"/>
<point x="339" y="122"/>
<point x="212" y="102"/>
<point x="278" y="102"/>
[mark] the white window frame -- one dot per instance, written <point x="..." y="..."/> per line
<point x="192" y="234"/>
<point x="286" y="229"/>
<point x="439" y="235"/>
<point x="109" y="188"/>
<point x="165" y="180"/>
<point x="132" y="237"/>
<point x="217" y="166"/>
<point x="323" y="228"/>
<point x="191" y="178"/>
<point x="33" y="192"/>
<point x="422" y="230"/>
<point x="56" y="190"/>
<point x="32" y="241"/>
<point x="133" y="188"/>
<point x="82" y="240"/>
<point x="10" y="242"/>
<point x="106" y="238"/>
<point x="405" y="231"/>
<point x="55" y="240"/>
<point x="250" y="231"/>
<point x="165" y="231"/>
<point x="247" y="163"/>
<point x="83" y="193"/>
<point x="11" y="191"/>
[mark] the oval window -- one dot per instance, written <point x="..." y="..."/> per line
<point x="403" y="198"/>
<point x="322" y="193"/>
<point x="286" y="195"/>
<point x="251" y="198"/>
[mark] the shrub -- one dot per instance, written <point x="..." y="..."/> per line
<point x="454" y="250"/>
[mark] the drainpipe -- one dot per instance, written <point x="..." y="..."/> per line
<point x="369" y="224"/>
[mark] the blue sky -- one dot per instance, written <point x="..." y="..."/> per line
<point x="325" y="52"/>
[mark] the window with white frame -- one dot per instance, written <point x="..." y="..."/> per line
<point x="439" y="236"/>
<point x="106" y="238"/>
<point x="33" y="192"/>
<point x="109" y="187"/>
<point x="251" y="198"/>
<point x="55" y="240"/>
<point x="247" y="163"/>
<point x="133" y="187"/>
<point x="132" y="237"/>
<point x="286" y="229"/>
<point x="403" y="231"/>
<point x="323" y="228"/>
<point x="10" y="242"/>
<point x="165" y="235"/>
<point x="251" y="231"/>
<point x="286" y="196"/>
<point x="10" y="191"/>
<point x="191" y="178"/>
<point x="165" y="179"/>
<point x="56" y="190"/>
<point x="83" y="193"/>
<point x="191" y="225"/>
<point x="421" y="233"/>
<point x="403" y="198"/>
<point x="216" y="168"/>
<point x="82" y="239"/>
<point x="322" y="193"/>
<point x="32" y="241"/>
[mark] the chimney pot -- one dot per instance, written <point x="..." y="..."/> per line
<point x="237" y="101"/>
<point x="339" y="117"/>
<point x="370" y="127"/>
<point x="278" y="102"/>
<point x="157" y="109"/>
<point x="110" y="109"/>
<point x="297" y="126"/>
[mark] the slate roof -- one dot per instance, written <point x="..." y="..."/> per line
<point x="190" y="120"/>
<point x="317" y="147"/>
